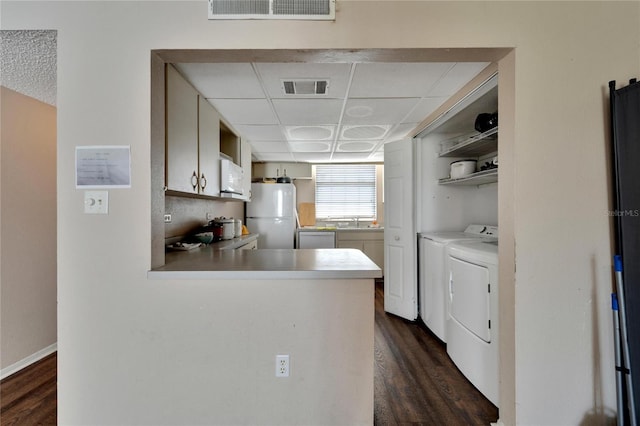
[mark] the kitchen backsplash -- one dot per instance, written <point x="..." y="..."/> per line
<point x="188" y="214"/>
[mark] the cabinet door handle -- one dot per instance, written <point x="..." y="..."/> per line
<point x="277" y="172"/>
<point x="397" y="238"/>
<point x="194" y="180"/>
<point x="203" y="182"/>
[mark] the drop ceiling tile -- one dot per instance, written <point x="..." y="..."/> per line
<point x="457" y="77"/>
<point x="348" y="157"/>
<point x="424" y="108"/>
<point x="310" y="146"/>
<point x="223" y="80"/>
<point x="383" y="111"/>
<point x="313" y="157"/>
<point x="272" y="75"/>
<point x="364" y="131"/>
<point x="274" y="156"/>
<point x="401" y="131"/>
<point x="356" y="146"/>
<point x="245" y="111"/>
<point x="307" y="111"/>
<point x="396" y="80"/>
<point x="310" y="133"/>
<point x="268" y="146"/>
<point x="260" y="133"/>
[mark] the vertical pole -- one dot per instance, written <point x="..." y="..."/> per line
<point x="616" y="341"/>
<point x="623" y="337"/>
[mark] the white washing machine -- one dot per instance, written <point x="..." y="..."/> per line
<point x="472" y="328"/>
<point x="432" y="281"/>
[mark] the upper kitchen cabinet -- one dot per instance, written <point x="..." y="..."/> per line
<point x="209" y="145"/>
<point x="245" y="163"/>
<point x="193" y="142"/>
<point x="182" y="134"/>
<point x="238" y="151"/>
<point x="230" y="144"/>
<point x="276" y="170"/>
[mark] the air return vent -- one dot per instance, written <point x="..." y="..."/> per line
<point x="273" y="9"/>
<point x="305" y="87"/>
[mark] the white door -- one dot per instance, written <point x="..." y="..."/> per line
<point x="400" y="281"/>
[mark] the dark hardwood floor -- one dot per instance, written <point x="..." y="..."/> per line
<point x="30" y="397"/>
<point x="415" y="382"/>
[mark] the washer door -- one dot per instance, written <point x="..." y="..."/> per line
<point x="469" y="295"/>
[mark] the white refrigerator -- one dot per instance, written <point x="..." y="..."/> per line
<point x="272" y="214"/>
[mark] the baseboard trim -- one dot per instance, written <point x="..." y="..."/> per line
<point x="25" y="362"/>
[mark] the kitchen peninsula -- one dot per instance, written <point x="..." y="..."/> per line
<point x="314" y="305"/>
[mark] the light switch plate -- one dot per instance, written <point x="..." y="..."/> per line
<point x="96" y="202"/>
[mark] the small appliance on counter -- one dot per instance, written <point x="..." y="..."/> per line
<point x="228" y="227"/>
<point x="214" y="227"/>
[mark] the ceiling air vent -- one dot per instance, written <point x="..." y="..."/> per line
<point x="273" y="9"/>
<point x="305" y="87"/>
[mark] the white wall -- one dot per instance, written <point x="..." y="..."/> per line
<point x="28" y="229"/>
<point x="119" y="331"/>
<point x="449" y="207"/>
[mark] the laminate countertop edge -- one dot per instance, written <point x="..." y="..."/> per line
<point x="267" y="264"/>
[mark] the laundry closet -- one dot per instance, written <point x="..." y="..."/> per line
<point x="446" y="204"/>
<point x="456" y="175"/>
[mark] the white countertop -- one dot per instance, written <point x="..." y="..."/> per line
<point x="210" y="263"/>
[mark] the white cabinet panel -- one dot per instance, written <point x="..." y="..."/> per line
<point x="182" y="134"/>
<point x="209" y="146"/>
<point x="245" y="163"/>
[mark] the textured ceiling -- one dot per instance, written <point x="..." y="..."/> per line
<point x="28" y="63"/>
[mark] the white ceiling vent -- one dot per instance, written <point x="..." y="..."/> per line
<point x="273" y="9"/>
<point x="305" y="87"/>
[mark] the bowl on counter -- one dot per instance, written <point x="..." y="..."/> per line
<point x="205" y="237"/>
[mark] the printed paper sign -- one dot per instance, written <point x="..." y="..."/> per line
<point x="103" y="167"/>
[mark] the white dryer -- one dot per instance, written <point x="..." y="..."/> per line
<point x="432" y="279"/>
<point x="472" y="328"/>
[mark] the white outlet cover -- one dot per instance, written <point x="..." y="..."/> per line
<point x="282" y="365"/>
<point x="96" y="202"/>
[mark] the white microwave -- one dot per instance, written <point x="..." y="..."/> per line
<point x="231" y="178"/>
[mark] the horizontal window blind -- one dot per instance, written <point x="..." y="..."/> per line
<point x="345" y="190"/>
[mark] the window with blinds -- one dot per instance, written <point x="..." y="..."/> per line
<point x="345" y="190"/>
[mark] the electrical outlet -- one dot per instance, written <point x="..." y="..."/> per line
<point x="167" y="218"/>
<point x="282" y="365"/>
<point x="210" y="216"/>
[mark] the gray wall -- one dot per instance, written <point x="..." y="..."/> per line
<point x="28" y="230"/>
